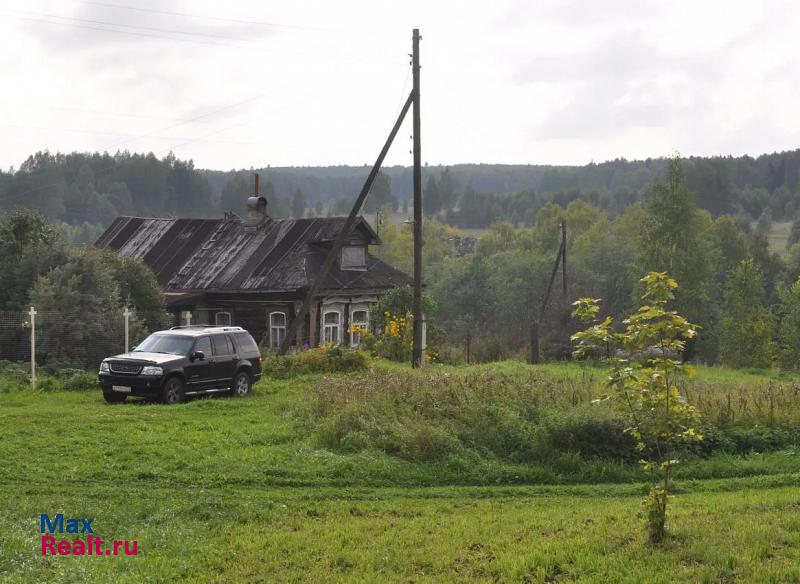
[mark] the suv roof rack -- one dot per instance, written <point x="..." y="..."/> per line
<point x="207" y="327"/>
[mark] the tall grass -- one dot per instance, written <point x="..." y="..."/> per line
<point x="522" y="413"/>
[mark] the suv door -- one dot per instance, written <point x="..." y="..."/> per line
<point x="200" y="373"/>
<point x="225" y="360"/>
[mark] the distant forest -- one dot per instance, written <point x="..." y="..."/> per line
<point x="87" y="190"/>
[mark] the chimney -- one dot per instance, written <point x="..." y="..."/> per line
<point x="256" y="208"/>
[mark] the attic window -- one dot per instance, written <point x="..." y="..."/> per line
<point x="354" y="258"/>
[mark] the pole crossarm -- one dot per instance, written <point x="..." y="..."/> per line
<point x="338" y="243"/>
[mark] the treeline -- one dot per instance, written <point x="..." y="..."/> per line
<point x="745" y="297"/>
<point x="90" y="189"/>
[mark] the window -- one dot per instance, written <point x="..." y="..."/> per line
<point x="354" y="258"/>
<point x="277" y="329"/>
<point x="245" y="342"/>
<point x="359" y="321"/>
<point x="160" y="343"/>
<point x="222" y="345"/>
<point x="203" y="344"/>
<point x="223" y="318"/>
<point x="331" y="324"/>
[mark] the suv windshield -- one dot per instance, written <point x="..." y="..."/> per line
<point x="172" y="344"/>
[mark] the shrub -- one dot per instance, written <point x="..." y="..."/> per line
<point x="325" y="359"/>
<point x="80" y="381"/>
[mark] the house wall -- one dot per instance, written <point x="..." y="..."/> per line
<point x="253" y="314"/>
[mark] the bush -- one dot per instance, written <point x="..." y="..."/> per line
<point x="80" y="381"/>
<point x="325" y="359"/>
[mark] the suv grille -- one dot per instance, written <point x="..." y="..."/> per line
<point x="128" y="368"/>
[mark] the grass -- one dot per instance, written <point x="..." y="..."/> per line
<point x="231" y="490"/>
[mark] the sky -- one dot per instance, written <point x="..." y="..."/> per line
<point x="247" y="83"/>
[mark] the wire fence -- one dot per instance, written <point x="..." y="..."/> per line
<point x="54" y="341"/>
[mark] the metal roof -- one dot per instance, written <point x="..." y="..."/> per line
<point x="228" y="255"/>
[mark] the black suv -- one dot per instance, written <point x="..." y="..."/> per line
<point x="183" y="361"/>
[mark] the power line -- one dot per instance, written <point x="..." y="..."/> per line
<point x="127" y="32"/>
<point x="251" y="47"/>
<point x="206" y="17"/>
<point x="136" y="26"/>
<point x="190" y="120"/>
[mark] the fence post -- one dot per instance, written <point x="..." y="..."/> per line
<point x="32" y="314"/>
<point x="126" y="313"/>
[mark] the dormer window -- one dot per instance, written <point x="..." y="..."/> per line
<point x="354" y="257"/>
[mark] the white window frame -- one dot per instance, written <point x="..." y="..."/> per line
<point x="218" y="323"/>
<point x="276" y="339"/>
<point x="355" y="338"/>
<point x="326" y="326"/>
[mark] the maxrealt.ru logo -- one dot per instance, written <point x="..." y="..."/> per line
<point x="91" y="546"/>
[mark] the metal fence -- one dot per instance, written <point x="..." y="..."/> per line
<point x="52" y="341"/>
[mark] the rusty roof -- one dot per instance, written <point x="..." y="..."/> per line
<point x="227" y="255"/>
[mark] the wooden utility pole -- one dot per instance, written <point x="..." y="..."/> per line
<point x="333" y="254"/>
<point x="561" y="260"/>
<point x="416" y="353"/>
<point x="564" y="260"/>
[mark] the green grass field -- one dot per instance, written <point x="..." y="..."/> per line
<point x="227" y="490"/>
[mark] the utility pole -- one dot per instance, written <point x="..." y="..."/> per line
<point x="564" y="260"/>
<point x="32" y="313"/>
<point x="338" y="243"/>
<point x="416" y="353"/>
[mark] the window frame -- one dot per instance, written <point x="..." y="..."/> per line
<point x="218" y="323"/>
<point x="272" y="340"/>
<point x="354" y="267"/>
<point x="337" y="326"/>
<point x="355" y="338"/>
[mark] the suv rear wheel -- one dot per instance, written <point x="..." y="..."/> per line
<point x="241" y="384"/>
<point x="173" y="391"/>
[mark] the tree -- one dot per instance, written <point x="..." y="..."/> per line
<point x="30" y="246"/>
<point x="431" y="200"/>
<point x="235" y="193"/>
<point x="298" y="204"/>
<point x="789" y="330"/>
<point x="644" y="382"/>
<point x="674" y="240"/>
<point x="80" y="309"/>
<point x="747" y="325"/>
<point x="380" y="194"/>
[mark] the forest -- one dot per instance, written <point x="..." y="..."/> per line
<point x="87" y="190"/>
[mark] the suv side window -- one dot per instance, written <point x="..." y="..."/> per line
<point x="222" y="345"/>
<point x="246" y="343"/>
<point x="203" y="344"/>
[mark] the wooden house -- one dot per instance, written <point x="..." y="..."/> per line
<point x="256" y="272"/>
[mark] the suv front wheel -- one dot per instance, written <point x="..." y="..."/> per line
<point x="241" y="384"/>
<point x="173" y="391"/>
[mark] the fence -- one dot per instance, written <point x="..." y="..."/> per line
<point x="53" y="341"/>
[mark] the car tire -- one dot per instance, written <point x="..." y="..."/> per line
<point x="113" y="397"/>
<point x="173" y="392"/>
<point x="242" y="384"/>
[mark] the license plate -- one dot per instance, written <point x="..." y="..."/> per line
<point x="122" y="388"/>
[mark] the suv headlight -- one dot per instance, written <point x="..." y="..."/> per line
<point x="151" y="370"/>
<point x="104" y="367"/>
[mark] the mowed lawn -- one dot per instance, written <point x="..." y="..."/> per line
<point x="227" y="490"/>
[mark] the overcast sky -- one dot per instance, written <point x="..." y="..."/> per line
<point x="248" y="83"/>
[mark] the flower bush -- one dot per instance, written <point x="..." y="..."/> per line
<point x="324" y="359"/>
